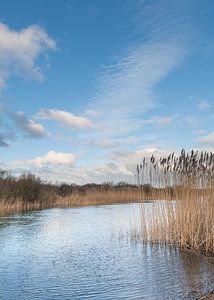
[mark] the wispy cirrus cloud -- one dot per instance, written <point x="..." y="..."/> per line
<point x="19" y="51"/>
<point x="207" y="140"/>
<point x="7" y="134"/>
<point x="91" y="112"/>
<point x="159" y="122"/>
<point x="203" y="104"/>
<point x="200" y="132"/>
<point x="126" y="89"/>
<point x="3" y="141"/>
<point x="103" y="144"/>
<point x="191" y="121"/>
<point x="6" y="137"/>
<point x="66" y="118"/>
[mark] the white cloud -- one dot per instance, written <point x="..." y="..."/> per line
<point x="98" y="172"/>
<point x="159" y="122"/>
<point x="51" y="158"/>
<point x="191" y="121"/>
<point x="30" y="127"/>
<point x="132" y="158"/>
<point x="59" y="166"/>
<point x="92" y="112"/>
<point x="163" y="121"/>
<point x="104" y="144"/>
<point x="109" y="170"/>
<point x="207" y="139"/>
<point x="200" y="132"/>
<point x="66" y="118"/>
<point x="6" y="137"/>
<point x="203" y="104"/>
<point x="19" y="51"/>
<point x="2" y="84"/>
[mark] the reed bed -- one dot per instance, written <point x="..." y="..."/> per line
<point x="17" y="205"/>
<point x="188" y="219"/>
<point x="99" y="198"/>
<point x="74" y="200"/>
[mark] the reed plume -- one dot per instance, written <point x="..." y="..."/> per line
<point x="188" y="219"/>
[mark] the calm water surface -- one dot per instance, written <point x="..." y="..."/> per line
<point x="83" y="253"/>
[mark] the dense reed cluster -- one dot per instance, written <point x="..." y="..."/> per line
<point x="188" y="180"/>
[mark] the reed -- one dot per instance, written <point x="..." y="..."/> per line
<point x="17" y="205"/>
<point x="188" y="219"/>
<point x="99" y="198"/>
<point x="74" y="200"/>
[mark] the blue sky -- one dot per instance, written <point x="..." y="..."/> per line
<point x="87" y="88"/>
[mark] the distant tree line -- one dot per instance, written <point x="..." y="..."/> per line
<point x="30" y="188"/>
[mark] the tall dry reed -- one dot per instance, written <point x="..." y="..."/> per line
<point x="187" y="220"/>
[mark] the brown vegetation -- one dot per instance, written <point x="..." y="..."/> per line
<point x="188" y="221"/>
<point x="99" y="198"/>
<point x="28" y="192"/>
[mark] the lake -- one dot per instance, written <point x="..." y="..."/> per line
<point x="86" y="253"/>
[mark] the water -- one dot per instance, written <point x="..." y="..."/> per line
<point x="84" y="253"/>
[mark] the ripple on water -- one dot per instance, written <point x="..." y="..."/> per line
<point x="77" y="254"/>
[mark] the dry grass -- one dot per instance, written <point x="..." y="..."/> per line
<point x="74" y="200"/>
<point x="10" y="207"/>
<point x="99" y="198"/>
<point x="188" y="220"/>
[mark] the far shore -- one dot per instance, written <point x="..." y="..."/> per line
<point x="74" y="200"/>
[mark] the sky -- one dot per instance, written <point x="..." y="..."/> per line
<point x="88" y="88"/>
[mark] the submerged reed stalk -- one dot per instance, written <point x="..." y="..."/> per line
<point x="188" y="219"/>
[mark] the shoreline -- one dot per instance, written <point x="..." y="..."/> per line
<point x="75" y="200"/>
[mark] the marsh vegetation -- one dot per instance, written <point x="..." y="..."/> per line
<point x="28" y="192"/>
<point x="188" y="220"/>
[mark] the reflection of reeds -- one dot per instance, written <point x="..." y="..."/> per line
<point x="188" y="220"/>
